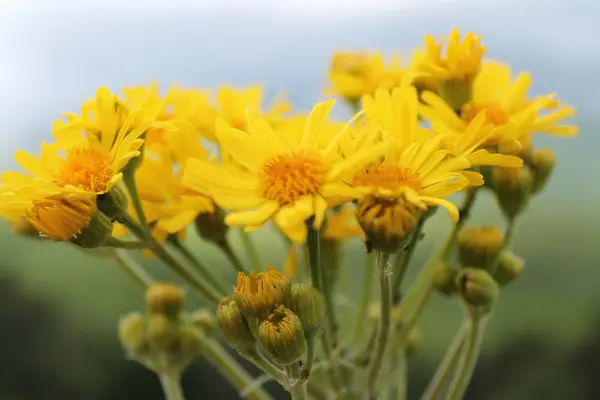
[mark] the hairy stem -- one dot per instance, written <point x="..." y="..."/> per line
<point x="133" y="269"/>
<point x="171" y="386"/>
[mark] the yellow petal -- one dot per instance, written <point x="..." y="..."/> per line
<point x="254" y="217"/>
<point x="452" y="210"/>
<point x="314" y="124"/>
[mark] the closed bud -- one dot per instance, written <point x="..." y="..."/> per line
<point x="163" y="332"/>
<point x="414" y="341"/>
<point x="164" y="298"/>
<point x="258" y="294"/>
<point x="444" y="280"/>
<point x="479" y="247"/>
<point x="456" y="92"/>
<point x="212" y="227"/>
<point x="477" y="288"/>
<point x="132" y="334"/>
<point x="203" y="320"/>
<point x="113" y="203"/>
<point x="542" y="164"/>
<point x="510" y="267"/>
<point x="234" y="326"/>
<point x="308" y="304"/>
<point x="191" y="342"/>
<point x="513" y="189"/>
<point x="386" y="223"/>
<point x="282" y="336"/>
<point x="96" y="234"/>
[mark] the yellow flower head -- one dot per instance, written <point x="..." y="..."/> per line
<point x="353" y="75"/>
<point x="507" y="109"/>
<point x="287" y="180"/>
<point x="261" y="292"/>
<point x="461" y="60"/>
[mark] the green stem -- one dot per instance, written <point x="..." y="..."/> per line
<point x="190" y="276"/>
<point x="402" y="373"/>
<point x="298" y="387"/>
<point x="121" y="244"/>
<point x="225" y="247"/>
<point x="365" y="297"/>
<point x="510" y="230"/>
<point x="203" y="269"/>
<point x="403" y="259"/>
<point x="129" y="181"/>
<point x="314" y="257"/>
<point x="133" y="269"/>
<point x="232" y="370"/>
<point x="251" y="251"/>
<point x="464" y="213"/>
<point x="472" y="348"/>
<point x="440" y="380"/>
<point x="171" y="386"/>
<point x="385" y="323"/>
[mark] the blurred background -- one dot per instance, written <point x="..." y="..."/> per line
<point x="59" y="307"/>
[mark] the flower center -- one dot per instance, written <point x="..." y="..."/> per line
<point x="388" y="177"/>
<point x="288" y="177"/>
<point x="60" y="219"/>
<point x="86" y="168"/>
<point x="495" y="115"/>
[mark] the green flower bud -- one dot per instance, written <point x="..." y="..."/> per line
<point x="164" y="298"/>
<point x="132" y="334"/>
<point x="542" y="164"/>
<point x="282" y="336"/>
<point x="477" y="288"/>
<point x="456" y="92"/>
<point x="479" y="247"/>
<point x="308" y="304"/>
<point x="113" y="204"/>
<point x="510" y="267"/>
<point x="212" y="227"/>
<point x="444" y="280"/>
<point x="414" y="341"/>
<point x="234" y="326"/>
<point x="513" y="189"/>
<point x="191" y="343"/>
<point x="163" y="333"/>
<point x="96" y="234"/>
<point x="203" y="320"/>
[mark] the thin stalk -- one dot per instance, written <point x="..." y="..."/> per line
<point x="403" y="259"/>
<point x="365" y="296"/>
<point x="255" y="358"/>
<point x="251" y="251"/>
<point x="464" y="213"/>
<point x="402" y="372"/>
<point x="190" y="276"/>
<point x="171" y="386"/>
<point x="225" y="247"/>
<point x="133" y="269"/>
<point x="129" y="181"/>
<point x="122" y="244"/>
<point x="202" y="268"/>
<point x="385" y="323"/>
<point x="232" y="370"/>
<point x="472" y="348"/>
<point x="442" y="375"/>
<point x="298" y="387"/>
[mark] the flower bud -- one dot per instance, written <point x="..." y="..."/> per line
<point x="456" y="92"/>
<point x="212" y="227"/>
<point x="510" y="267"/>
<point x="258" y="294"/>
<point x="308" y="304"/>
<point x="282" y="336"/>
<point x="386" y="223"/>
<point x="234" y="326"/>
<point x="163" y="332"/>
<point x="203" y="320"/>
<point x="414" y="341"/>
<point x="191" y="342"/>
<point x="132" y="334"/>
<point x="164" y="298"/>
<point x="113" y="203"/>
<point x="97" y="232"/>
<point x="444" y="279"/>
<point x="479" y="247"/>
<point x="542" y="164"/>
<point x="477" y="288"/>
<point x="513" y="189"/>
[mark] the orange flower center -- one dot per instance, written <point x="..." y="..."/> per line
<point x="288" y="177"/>
<point x="495" y="115"/>
<point x="86" y="168"/>
<point x="387" y="177"/>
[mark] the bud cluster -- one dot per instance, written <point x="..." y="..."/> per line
<point x="269" y="315"/>
<point x="165" y="340"/>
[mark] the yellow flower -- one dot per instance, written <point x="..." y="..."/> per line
<point x="343" y="225"/>
<point x="287" y="180"/>
<point x="506" y="107"/>
<point x="232" y="105"/>
<point x="353" y="75"/>
<point x="261" y="292"/>
<point x="460" y="60"/>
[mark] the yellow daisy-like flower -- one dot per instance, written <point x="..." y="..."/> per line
<point x="354" y="74"/>
<point x="233" y="104"/>
<point x="287" y="180"/>
<point x="418" y="170"/>
<point x="506" y="107"/>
